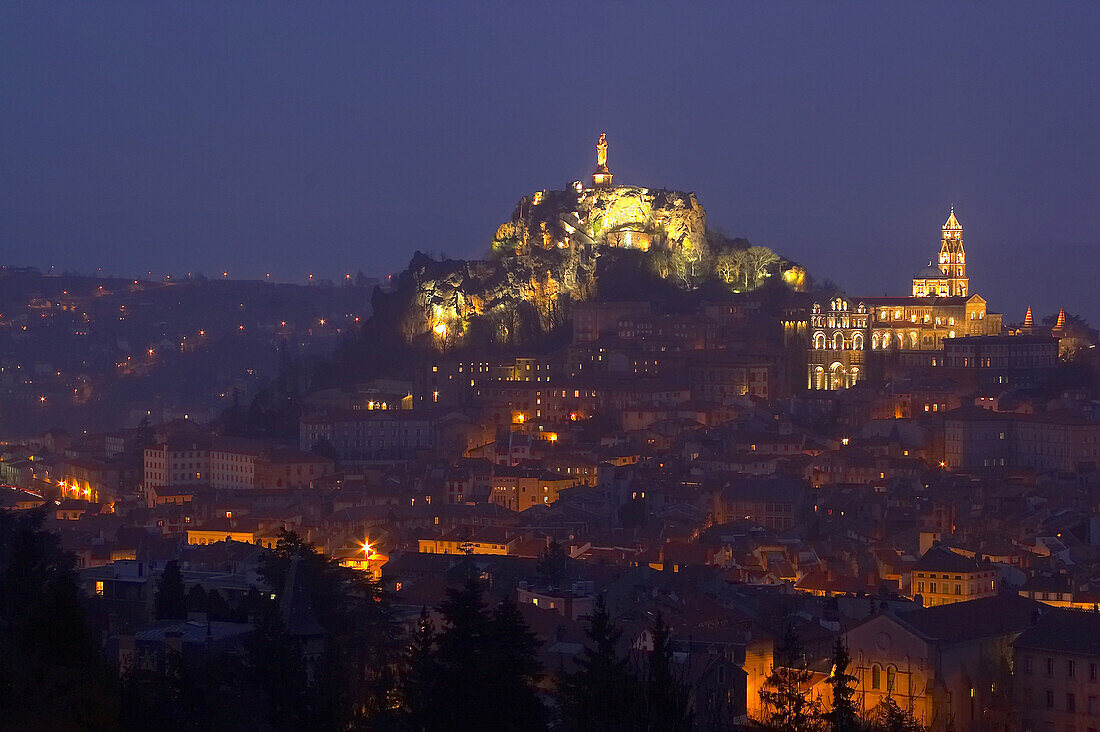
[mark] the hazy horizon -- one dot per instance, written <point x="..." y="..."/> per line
<point x="336" y="138"/>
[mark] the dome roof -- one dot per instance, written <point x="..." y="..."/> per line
<point x="931" y="272"/>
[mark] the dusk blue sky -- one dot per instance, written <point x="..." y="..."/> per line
<point x="330" y="137"/>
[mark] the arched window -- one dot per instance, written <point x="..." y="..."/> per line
<point x="913" y="339"/>
<point x="819" y="341"/>
<point x="837" y="376"/>
<point x="819" y="377"/>
<point x="855" y="374"/>
<point x="891" y="673"/>
<point x="838" y="342"/>
<point x="857" y="342"/>
<point x="876" y="677"/>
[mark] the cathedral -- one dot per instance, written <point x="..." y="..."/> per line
<point x="941" y="306"/>
<point x="948" y="277"/>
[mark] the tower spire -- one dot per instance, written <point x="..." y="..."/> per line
<point x="952" y="223"/>
<point x="1060" y="324"/>
<point x="1029" y="319"/>
<point x="953" y="257"/>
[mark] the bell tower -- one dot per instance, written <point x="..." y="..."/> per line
<point x="953" y="258"/>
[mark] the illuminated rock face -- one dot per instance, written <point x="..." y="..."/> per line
<point x="543" y="259"/>
<point x="497" y="301"/>
<point x="623" y="216"/>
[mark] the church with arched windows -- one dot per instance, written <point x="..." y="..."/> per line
<point x="848" y="334"/>
<point x="838" y="344"/>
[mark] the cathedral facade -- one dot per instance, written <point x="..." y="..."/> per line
<point x="846" y="334"/>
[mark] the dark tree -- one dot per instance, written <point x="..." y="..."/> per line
<point x="465" y="686"/>
<point x="843" y="716"/>
<point x="554" y="564"/>
<point x="206" y="692"/>
<point x="144" y="437"/>
<point x="514" y="653"/>
<point x="889" y="717"/>
<point x="355" y="678"/>
<point x="277" y="671"/>
<point x="478" y="672"/>
<point x="51" y="674"/>
<point x="170" y="600"/>
<point x="783" y="696"/>
<point x="197" y="599"/>
<point x="421" y="677"/>
<point x="603" y="693"/>
<point x="217" y="608"/>
<point x="667" y="705"/>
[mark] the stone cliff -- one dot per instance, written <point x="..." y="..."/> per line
<point x="544" y="258"/>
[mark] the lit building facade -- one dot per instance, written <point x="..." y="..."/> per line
<point x="940" y="308"/>
<point x="838" y="340"/>
<point x="947" y="277"/>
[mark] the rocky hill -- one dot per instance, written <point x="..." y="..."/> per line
<point x="549" y="254"/>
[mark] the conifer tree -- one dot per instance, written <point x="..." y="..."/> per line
<point x="842" y="717"/>
<point x="355" y="678"/>
<point x="889" y="717"/>
<point x="51" y="673"/>
<point x="553" y="564"/>
<point x="784" y="693"/>
<point x="603" y="694"/>
<point x="196" y="599"/>
<point x="666" y="697"/>
<point x="276" y="669"/>
<point x="170" y="599"/>
<point x="514" y="651"/>
<point x="421" y="677"/>
<point x="464" y="689"/>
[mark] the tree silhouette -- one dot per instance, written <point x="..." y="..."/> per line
<point x="170" y="600"/>
<point x="51" y="674"/>
<point x="889" y="717"/>
<point x="843" y="716"/>
<point x="420" y="678"/>
<point x="554" y="564"/>
<point x="666" y="696"/>
<point x="783" y="695"/>
<point x="603" y="694"/>
<point x="355" y="679"/>
<point x="514" y="658"/>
